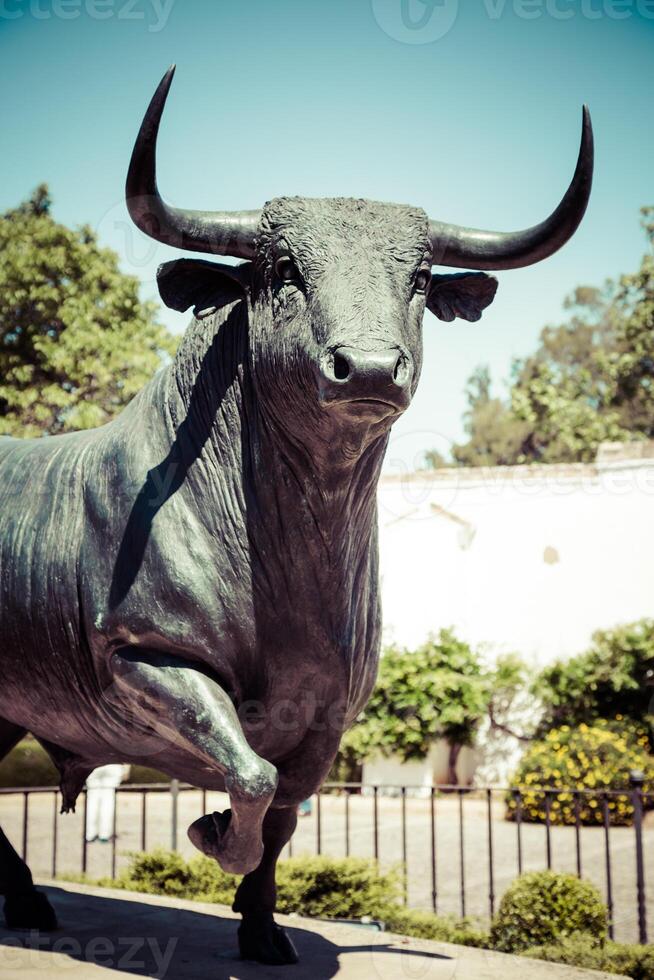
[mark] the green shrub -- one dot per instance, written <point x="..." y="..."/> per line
<point x="598" y="758"/>
<point x="583" y="951"/>
<point x="315" y="886"/>
<point x="545" y="907"/>
<point x="564" y="917"/>
<point x="444" y="929"/>
<point x="336" y="888"/>
<point x="612" y="679"/>
<point x="339" y="888"/>
<point x="161" y="872"/>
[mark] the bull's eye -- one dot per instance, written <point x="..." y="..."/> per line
<point x="286" y="269"/>
<point x="422" y="280"/>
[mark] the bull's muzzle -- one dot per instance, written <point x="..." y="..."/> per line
<point x="377" y="382"/>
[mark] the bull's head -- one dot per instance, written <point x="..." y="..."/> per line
<point x="337" y="288"/>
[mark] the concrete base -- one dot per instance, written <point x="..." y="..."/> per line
<point x="107" y="933"/>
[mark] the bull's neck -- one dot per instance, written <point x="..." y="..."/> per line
<point x="312" y="533"/>
<point x="313" y="518"/>
<point x="322" y="509"/>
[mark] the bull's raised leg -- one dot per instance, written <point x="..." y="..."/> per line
<point x="24" y="907"/>
<point x="259" y="937"/>
<point x="190" y="710"/>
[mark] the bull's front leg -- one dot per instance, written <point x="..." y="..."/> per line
<point x="191" y="712"/>
<point x="301" y="775"/>
<point x="259" y="936"/>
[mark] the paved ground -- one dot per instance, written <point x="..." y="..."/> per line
<point x="418" y="834"/>
<point x="108" y="933"/>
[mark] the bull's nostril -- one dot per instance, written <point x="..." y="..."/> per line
<point x="402" y="371"/>
<point x="341" y="368"/>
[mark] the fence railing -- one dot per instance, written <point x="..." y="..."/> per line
<point x="456" y="849"/>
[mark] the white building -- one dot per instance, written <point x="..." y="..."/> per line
<point x="531" y="559"/>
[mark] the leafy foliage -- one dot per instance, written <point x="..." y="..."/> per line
<point x="596" y="758"/>
<point x="318" y="886"/>
<point x="343" y="888"/>
<point x="613" y="679"/>
<point x="337" y="888"/>
<point x="347" y="768"/>
<point x="509" y="680"/>
<point x="583" y="951"/>
<point x="162" y="872"/>
<point x="437" y="691"/>
<point x="76" y="343"/>
<point x="434" y="460"/>
<point x="441" y="928"/>
<point x="545" y="907"/>
<point x="563" y="392"/>
<point x="512" y="719"/>
<point x="568" y="926"/>
<point x="590" y="380"/>
<point x="495" y="437"/>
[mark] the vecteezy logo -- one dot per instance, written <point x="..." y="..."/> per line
<point x="415" y="21"/>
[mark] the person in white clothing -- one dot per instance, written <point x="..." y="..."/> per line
<point x="101" y="801"/>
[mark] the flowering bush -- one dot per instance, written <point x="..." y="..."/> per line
<point x="597" y="757"/>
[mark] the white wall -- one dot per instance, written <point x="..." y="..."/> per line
<point x="392" y="773"/>
<point x="531" y="559"/>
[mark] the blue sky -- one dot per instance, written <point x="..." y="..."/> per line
<point x="470" y="110"/>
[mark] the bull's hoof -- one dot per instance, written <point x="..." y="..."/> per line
<point x="214" y="836"/>
<point x="31" y="910"/>
<point x="262" y="940"/>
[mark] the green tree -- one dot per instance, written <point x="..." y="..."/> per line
<point x="613" y="679"/>
<point x="76" y="343"/>
<point x="434" y="460"/>
<point x="495" y="436"/>
<point x="629" y="365"/>
<point x="510" y="681"/>
<point x="590" y="380"/>
<point x="563" y="393"/>
<point x="437" y="691"/>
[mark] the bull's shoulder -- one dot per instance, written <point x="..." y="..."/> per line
<point x="40" y="476"/>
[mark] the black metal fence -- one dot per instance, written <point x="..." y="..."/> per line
<point x="454" y="845"/>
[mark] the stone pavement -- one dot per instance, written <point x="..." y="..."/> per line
<point x="107" y="933"/>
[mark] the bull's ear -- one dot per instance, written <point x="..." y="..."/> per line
<point x="462" y="294"/>
<point x="205" y="286"/>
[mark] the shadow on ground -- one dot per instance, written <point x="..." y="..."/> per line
<point x="159" y="940"/>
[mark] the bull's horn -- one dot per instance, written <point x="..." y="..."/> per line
<point x="472" y="248"/>
<point x="220" y="232"/>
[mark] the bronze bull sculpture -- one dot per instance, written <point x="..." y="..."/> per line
<point x="195" y="584"/>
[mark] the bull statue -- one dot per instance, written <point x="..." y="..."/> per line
<point x="195" y="584"/>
